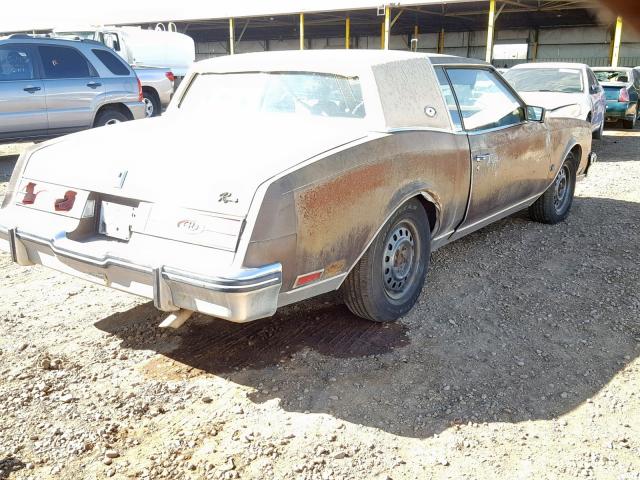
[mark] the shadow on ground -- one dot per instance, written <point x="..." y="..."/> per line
<point x="10" y="465"/>
<point x="519" y="321"/>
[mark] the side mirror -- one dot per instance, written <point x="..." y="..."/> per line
<point x="535" y="114"/>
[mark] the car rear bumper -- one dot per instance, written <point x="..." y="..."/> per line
<point x="137" y="109"/>
<point x="619" y="111"/>
<point x="238" y="296"/>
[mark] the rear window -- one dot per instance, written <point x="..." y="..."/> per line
<point x="613" y="75"/>
<point x="112" y="62"/>
<point x="15" y="63"/>
<point x="63" y="62"/>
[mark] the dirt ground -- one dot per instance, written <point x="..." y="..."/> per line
<point x="521" y="361"/>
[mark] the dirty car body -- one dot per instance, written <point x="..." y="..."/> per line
<point x="281" y="199"/>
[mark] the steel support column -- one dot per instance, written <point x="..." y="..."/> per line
<point x="492" y="14"/>
<point x="617" y="40"/>
<point x="302" y="31"/>
<point x="347" y="33"/>
<point x="386" y="26"/>
<point x="232" y="36"/>
<point x="441" y="41"/>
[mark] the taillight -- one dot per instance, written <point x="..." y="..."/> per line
<point x="624" y="95"/>
<point x="170" y="76"/>
<point x="65" y="203"/>
<point x="29" y="194"/>
<point x="140" y="95"/>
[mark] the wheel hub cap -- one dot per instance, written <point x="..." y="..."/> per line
<point x="561" y="189"/>
<point x="398" y="259"/>
<point x="148" y="107"/>
<point x="112" y="121"/>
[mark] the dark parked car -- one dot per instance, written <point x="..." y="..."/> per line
<point x="50" y="87"/>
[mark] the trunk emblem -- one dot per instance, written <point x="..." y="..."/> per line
<point x="120" y="179"/>
<point x="190" y="227"/>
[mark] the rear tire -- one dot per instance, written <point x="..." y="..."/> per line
<point x="151" y="103"/>
<point x="554" y="204"/>
<point x="109" y="116"/>
<point x="388" y="279"/>
<point x="629" y="124"/>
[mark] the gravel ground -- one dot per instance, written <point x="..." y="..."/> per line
<point x="519" y="362"/>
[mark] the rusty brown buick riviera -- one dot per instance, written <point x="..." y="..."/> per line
<point x="276" y="177"/>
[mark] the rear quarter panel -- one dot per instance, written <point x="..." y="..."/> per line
<point x="338" y="203"/>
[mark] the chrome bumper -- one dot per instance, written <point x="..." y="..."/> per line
<point x="239" y="296"/>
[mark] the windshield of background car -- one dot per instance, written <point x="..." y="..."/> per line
<point x="299" y="93"/>
<point x="564" y="80"/>
<point x="612" y="75"/>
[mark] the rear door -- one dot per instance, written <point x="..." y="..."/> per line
<point x="510" y="160"/>
<point x="73" y="89"/>
<point x="23" y="110"/>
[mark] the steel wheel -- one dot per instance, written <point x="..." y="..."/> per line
<point x="112" y="121"/>
<point x="561" y="189"/>
<point x="399" y="258"/>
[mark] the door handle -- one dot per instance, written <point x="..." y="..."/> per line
<point x="31" y="89"/>
<point x="94" y="84"/>
<point x="482" y="157"/>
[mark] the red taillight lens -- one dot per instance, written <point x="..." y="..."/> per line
<point x="624" y="95"/>
<point x="170" y="76"/>
<point x="65" y="203"/>
<point x="29" y="194"/>
<point x="140" y="95"/>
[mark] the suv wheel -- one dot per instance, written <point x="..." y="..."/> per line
<point x="110" y="116"/>
<point x="151" y="104"/>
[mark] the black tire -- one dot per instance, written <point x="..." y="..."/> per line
<point x="629" y="124"/>
<point x="384" y="287"/>
<point x="110" y="116"/>
<point x="597" y="135"/>
<point x="152" y="103"/>
<point x="554" y="204"/>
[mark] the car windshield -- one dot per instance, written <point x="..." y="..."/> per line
<point x="299" y="93"/>
<point x="612" y="75"/>
<point x="565" y="80"/>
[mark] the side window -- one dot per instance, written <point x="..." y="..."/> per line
<point x="111" y="40"/>
<point x="112" y="62"/>
<point x="593" y="81"/>
<point x="63" y="62"/>
<point x="15" y="63"/>
<point x="485" y="102"/>
<point x="450" y="100"/>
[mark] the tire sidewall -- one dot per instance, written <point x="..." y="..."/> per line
<point x="154" y="102"/>
<point x="107" y="115"/>
<point x="388" y="308"/>
<point x="569" y="161"/>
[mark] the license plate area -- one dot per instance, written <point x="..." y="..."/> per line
<point x="116" y="220"/>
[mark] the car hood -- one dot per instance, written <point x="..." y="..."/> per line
<point x="206" y="164"/>
<point x="553" y="100"/>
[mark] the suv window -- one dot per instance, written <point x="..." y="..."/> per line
<point x="485" y="102"/>
<point x="15" y="63"/>
<point x="63" y="62"/>
<point x="112" y="62"/>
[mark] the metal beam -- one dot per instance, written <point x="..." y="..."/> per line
<point x="302" y="31"/>
<point x="232" y="36"/>
<point x="347" y="33"/>
<point x="441" y="41"/>
<point x="244" y="29"/>
<point x="492" y="12"/>
<point x="617" y="39"/>
<point x="386" y="27"/>
<point x="395" y="19"/>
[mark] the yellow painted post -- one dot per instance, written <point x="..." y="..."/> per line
<point x="232" y="36"/>
<point x="415" y="31"/>
<point x="302" y="31"/>
<point x="492" y="14"/>
<point x="347" y="33"/>
<point x="386" y="27"/>
<point x="617" y="39"/>
<point x="441" y="41"/>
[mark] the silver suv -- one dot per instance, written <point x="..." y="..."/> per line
<point x="50" y="87"/>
